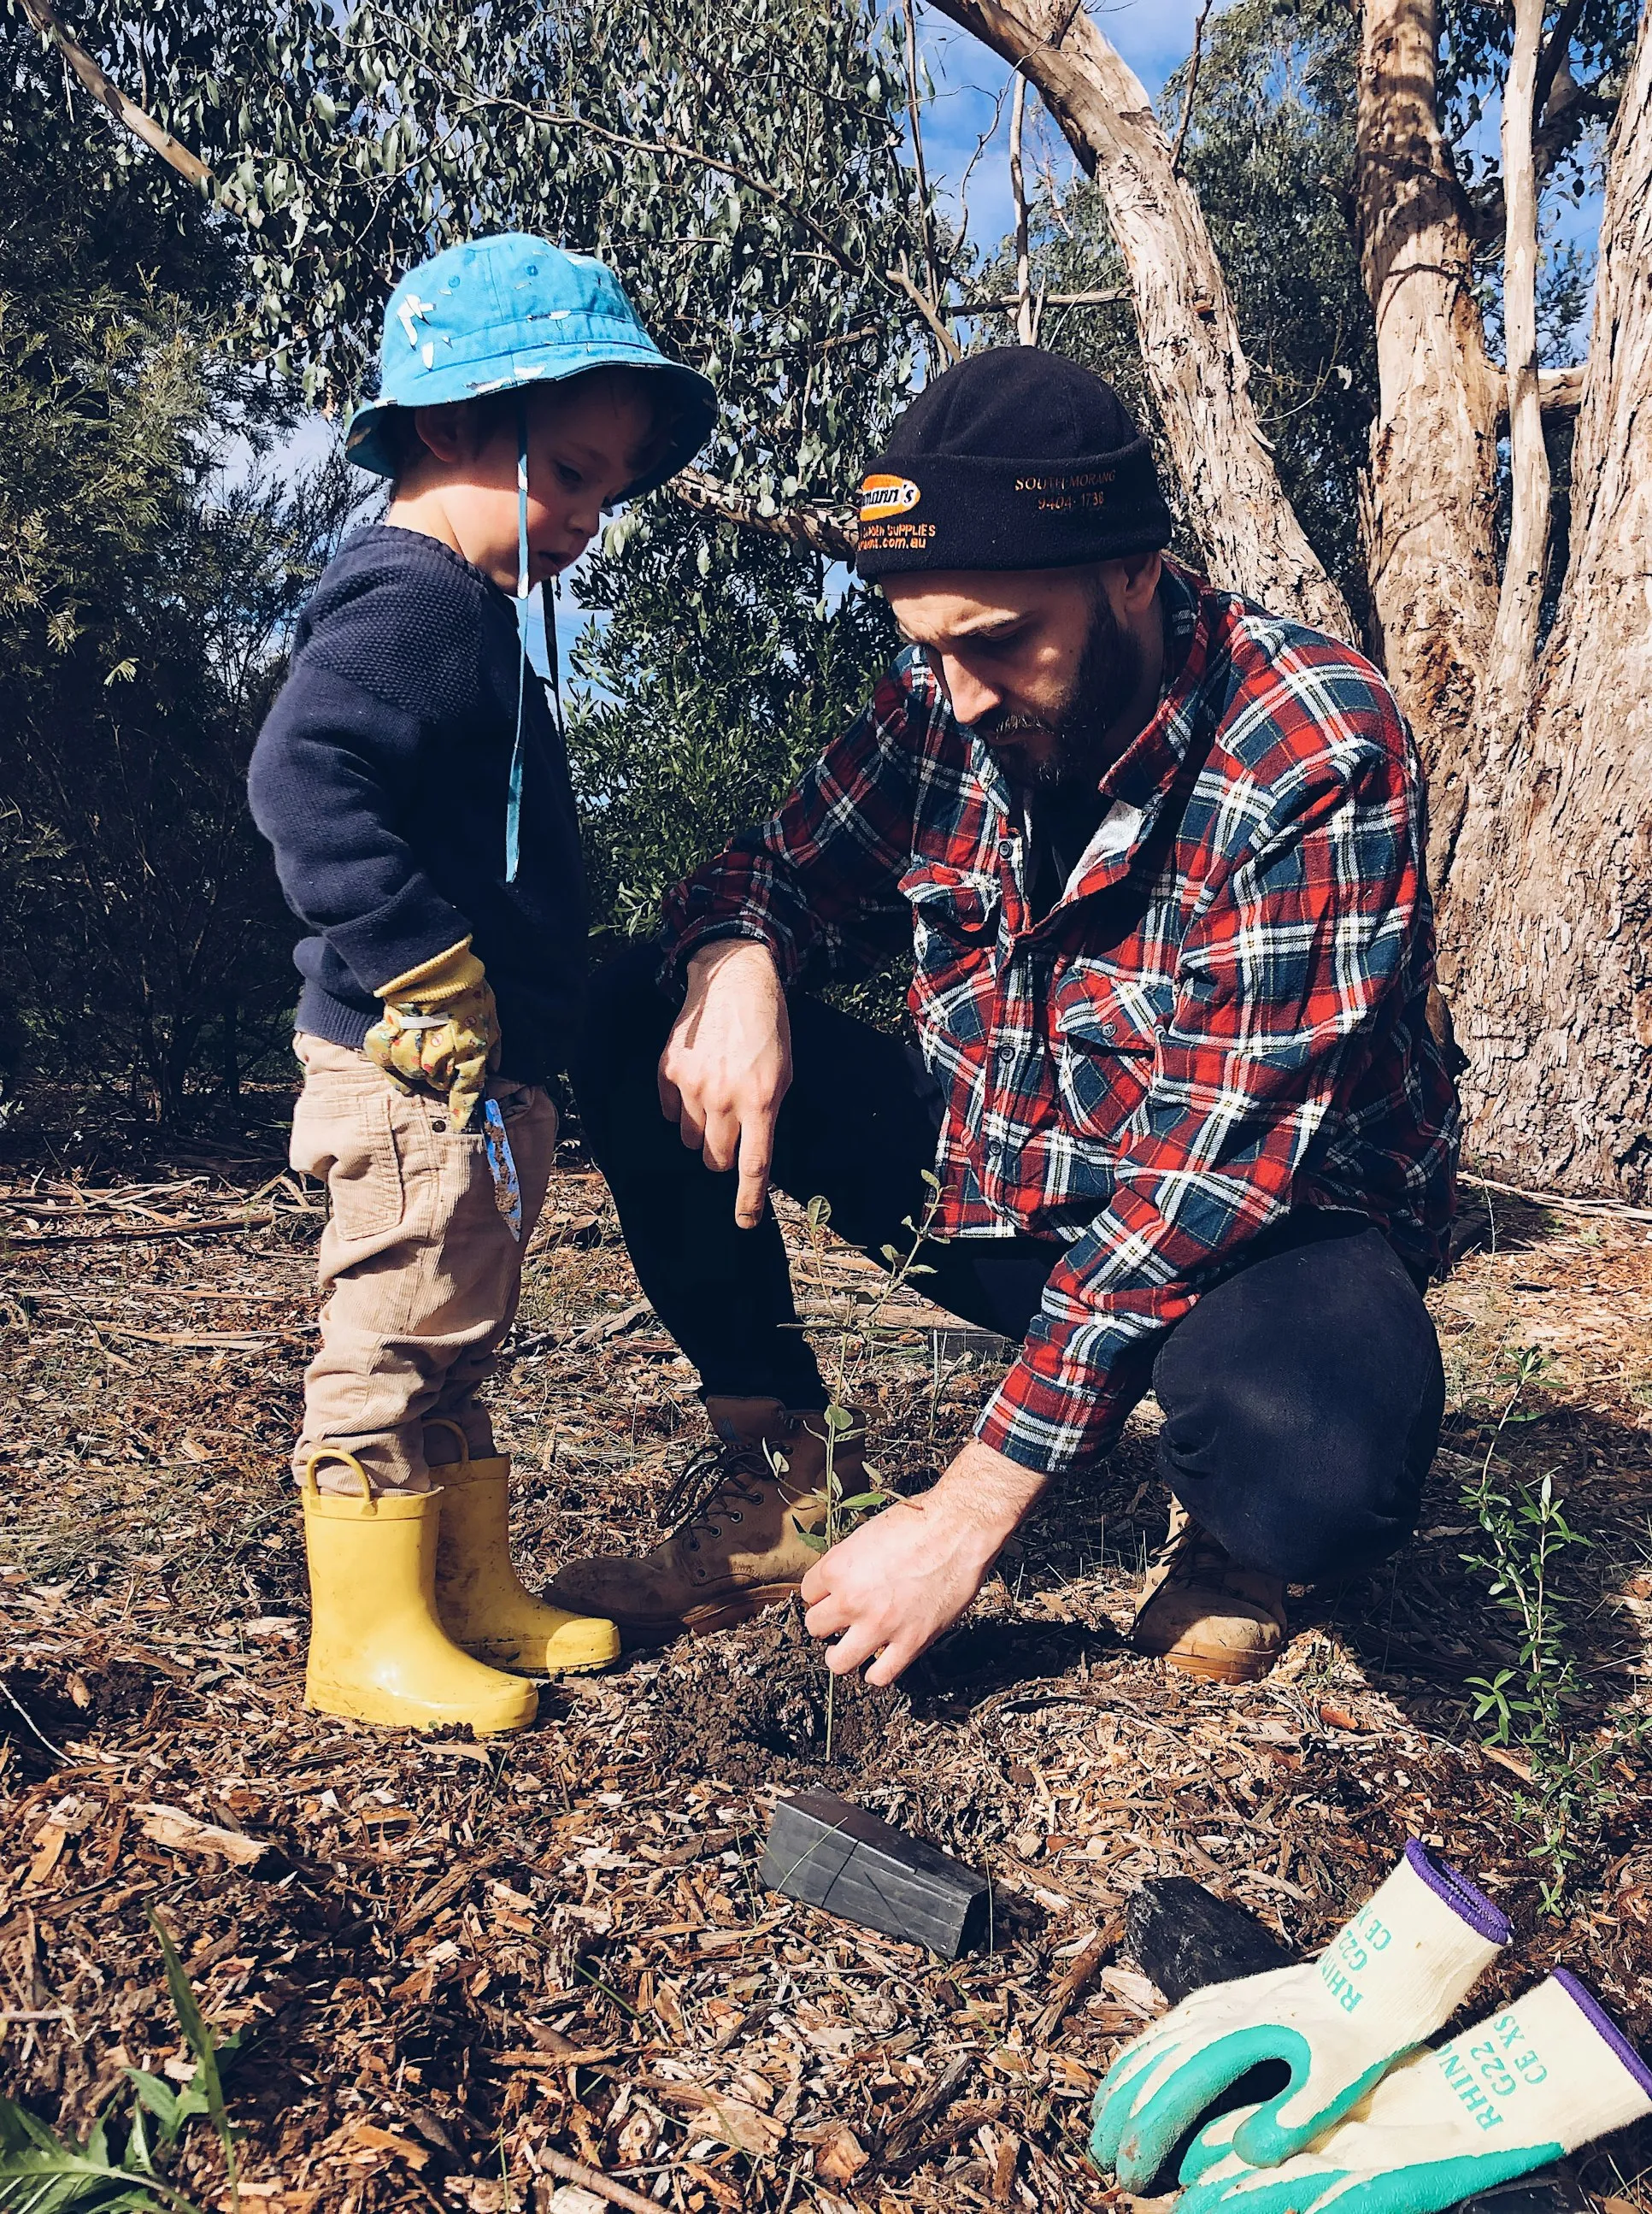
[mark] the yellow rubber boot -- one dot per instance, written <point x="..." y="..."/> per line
<point x="378" y="1653"/>
<point x="482" y="1601"/>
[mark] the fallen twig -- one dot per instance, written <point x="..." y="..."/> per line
<point x="1619" y="1207"/>
<point x="904" y="2137"/>
<point x="617" y="2194"/>
<point x="613" y="1325"/>
<point x="176" y="1230"/>
<point x="57" y="1751"/>
<point x="187" y="1833"/>
<point x="1105" y="1942"/>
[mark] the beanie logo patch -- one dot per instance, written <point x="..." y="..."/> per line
<point x="881" y="495"/>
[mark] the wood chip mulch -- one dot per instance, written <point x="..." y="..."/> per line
<point x="470" y="1971"/>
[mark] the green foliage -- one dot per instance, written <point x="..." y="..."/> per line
<point x="742" y="168"/>
<point x="204" y="2094"/>
<point x="41" y="2173"/>
<point x="724" y="668"/>
<point x="143" y="604"/>
<point x="1526" y="1533"/>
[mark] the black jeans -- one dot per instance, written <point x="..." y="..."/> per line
<point x="1303" y="1395"/>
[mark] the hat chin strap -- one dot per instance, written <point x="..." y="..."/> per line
<point x="514" y="805"/>
<point x="513" y="808"/>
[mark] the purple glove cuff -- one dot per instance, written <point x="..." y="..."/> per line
<point x="1601" y="2020"/>
<point x="1473" y="1906"/>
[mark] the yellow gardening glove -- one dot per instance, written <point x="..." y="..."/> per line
<point x="440" y="1029"/>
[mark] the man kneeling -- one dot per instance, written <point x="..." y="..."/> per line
<point x="1159" y="854"/>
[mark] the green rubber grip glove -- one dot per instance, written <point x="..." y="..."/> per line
<point x="1532" y="2082"/>
<point x="1390" y="1977"/>
<point x="439" y="1030"/>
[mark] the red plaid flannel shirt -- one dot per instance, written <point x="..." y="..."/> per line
<point x="1222" y="1019"/>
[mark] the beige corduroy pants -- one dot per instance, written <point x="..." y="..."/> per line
<point x="420" y="1272"/>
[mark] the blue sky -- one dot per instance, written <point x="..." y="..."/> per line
<point x="1154" y="37"/>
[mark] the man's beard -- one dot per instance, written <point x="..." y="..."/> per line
<point x="1104" y="683"/>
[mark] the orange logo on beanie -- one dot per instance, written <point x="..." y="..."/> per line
<point x="887" y="496"/>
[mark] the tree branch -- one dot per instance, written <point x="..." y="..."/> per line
<point x="914" y="110"/>
<point x="1560" y="391"/>
<point x="1107" y="299"/>
<point x="104" y="89"/>
<point x="824" y="530"/>
<point x="1018" y="194"/>
<point x="1199" y="21"/>
<point x="1555" y="48"/>
<point x="475" y="101"/>
<point x="901" y="279"/>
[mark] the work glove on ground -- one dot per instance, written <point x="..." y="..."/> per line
<point x="1391" y="1975"/>
<point x="440" y="1029"/>
<point x="1533" y="2080"/>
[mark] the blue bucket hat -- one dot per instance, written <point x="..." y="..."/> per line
<point x="504" y="313"/>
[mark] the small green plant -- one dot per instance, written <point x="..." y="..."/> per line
<point x="857" y="1341"/>
<point x="41" y="2173"/>
<point x="1525" y="1532"/>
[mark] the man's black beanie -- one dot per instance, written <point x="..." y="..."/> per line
<point x="1013" y="458"/>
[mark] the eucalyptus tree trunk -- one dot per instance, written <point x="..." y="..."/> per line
<point x="1551" y="896"/>
<point x="1430" y="503"/>
<point x="1191" y="350"/>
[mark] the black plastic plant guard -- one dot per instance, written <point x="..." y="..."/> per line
<point x="834" y="1855"/>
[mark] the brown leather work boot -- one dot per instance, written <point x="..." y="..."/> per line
<point x="735" y="1547"/>
<point x="1201" y="1613"/>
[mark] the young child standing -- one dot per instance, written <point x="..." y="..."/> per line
<point x="413" y="783"/>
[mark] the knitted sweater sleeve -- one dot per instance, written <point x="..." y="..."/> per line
<point x="336" y="765"/>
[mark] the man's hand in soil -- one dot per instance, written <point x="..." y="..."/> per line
<point x="727" y="1065"/>
<point x="900" y="1580"/>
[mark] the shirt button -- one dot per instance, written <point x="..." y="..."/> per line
<point x="1006" y="848"/>
<point x="1109" y="1029"/>
<point x="1006" y="1053"/>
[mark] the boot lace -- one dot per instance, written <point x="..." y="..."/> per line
<point x="1189" y="1554"/>
<point x="720" y="1471"/>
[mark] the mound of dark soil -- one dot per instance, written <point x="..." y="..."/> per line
<point x="756" y="1705"/>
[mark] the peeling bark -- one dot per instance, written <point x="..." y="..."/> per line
<point x="1554" y="982"/>
<point x="1514" y="647"/>
<point x="1429" y="516"/>
<point x="1191" y="349"/>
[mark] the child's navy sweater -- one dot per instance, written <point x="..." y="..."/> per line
<point x="381" y="778"/>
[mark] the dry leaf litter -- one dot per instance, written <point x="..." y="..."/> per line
<point x="474" y="1970"/>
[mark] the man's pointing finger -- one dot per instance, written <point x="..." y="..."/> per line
<point x="756" y="1154"/>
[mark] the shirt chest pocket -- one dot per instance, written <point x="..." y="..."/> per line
<point x="955" y="931"/>
<point x="1109" y="1030"/>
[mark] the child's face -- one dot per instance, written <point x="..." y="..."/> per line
<point x="585" y="446"/>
